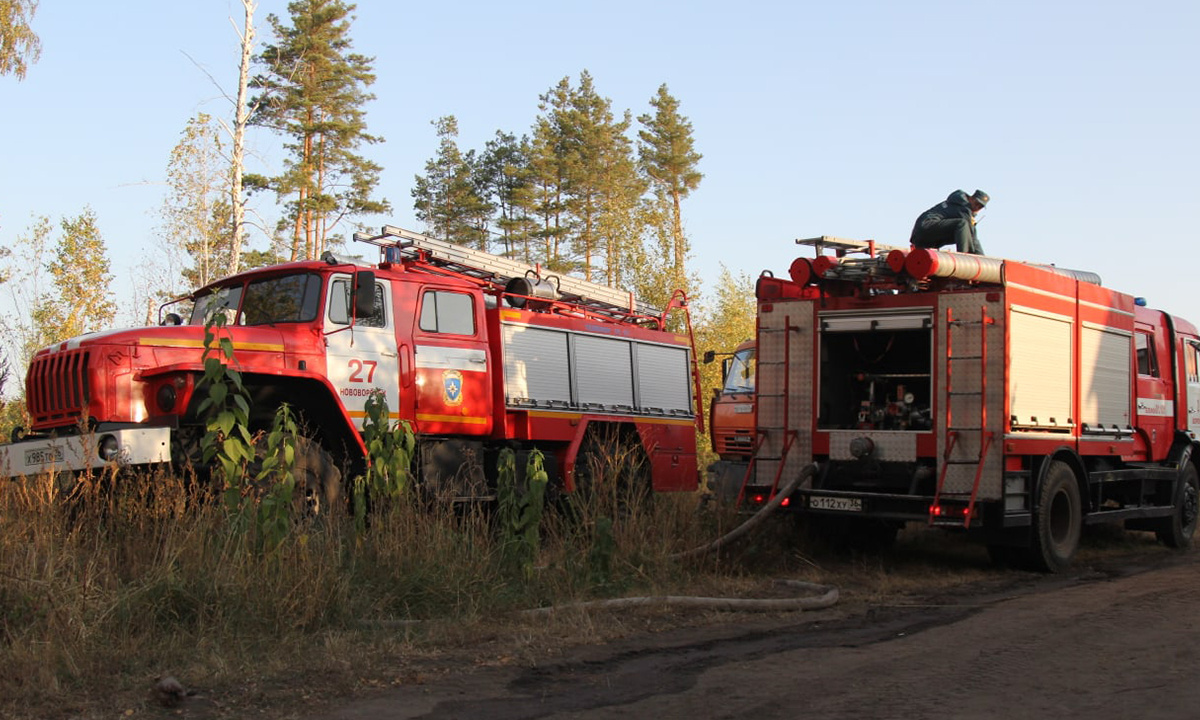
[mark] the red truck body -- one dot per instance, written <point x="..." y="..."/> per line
<point x="475" y="352"/>
<point x="1010" y="400"/>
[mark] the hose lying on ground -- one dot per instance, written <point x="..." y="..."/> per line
<point x="828" y="597"/>
<point x="784" y="493"/>
<point x="813" y="602"/>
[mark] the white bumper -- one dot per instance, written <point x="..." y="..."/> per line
<point x="135" y="446"/>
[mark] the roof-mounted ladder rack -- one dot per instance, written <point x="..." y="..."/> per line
<point x="842" y="246"/>
<point x="494" y="268"/>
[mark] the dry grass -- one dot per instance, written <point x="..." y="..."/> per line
<point x="121" y="582"/>
<point x="108" y="587"/>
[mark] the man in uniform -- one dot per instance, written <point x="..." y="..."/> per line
<point x="951" y="222"/>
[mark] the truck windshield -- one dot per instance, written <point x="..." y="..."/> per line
<point x="740" y="378"/>
<point x="286" y="299"/>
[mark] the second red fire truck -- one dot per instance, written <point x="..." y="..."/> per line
<point x="1012" y="400"/>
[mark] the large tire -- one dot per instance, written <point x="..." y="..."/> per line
<point x="612" y="470"/>
<point x="318" y="491"/>
<point x="725" y="480"/>
<point x="1058" y="519"/>
<point x="1176" y="531"/>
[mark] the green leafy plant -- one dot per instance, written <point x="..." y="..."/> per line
<point x="390" y="448"/>
<point x="602" y="552"/>
<point x="521" y="505"/>
<point x="276" y="480"/>
<point x="256" y="473"/>
<point x="227" y="445"/>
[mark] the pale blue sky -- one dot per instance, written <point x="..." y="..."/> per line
<point x="844" y="118"/>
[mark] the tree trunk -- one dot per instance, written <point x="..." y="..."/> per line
<point x="241" y="119"/>
<point x="297" y="232"/>
<point x="680" y="251"/>
<point x="319" y="238"/>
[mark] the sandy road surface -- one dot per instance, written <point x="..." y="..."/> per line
<point x="1122" y="642"/>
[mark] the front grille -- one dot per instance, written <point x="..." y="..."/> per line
<point x="57" y="388"/>
<point x="735" y="444"/>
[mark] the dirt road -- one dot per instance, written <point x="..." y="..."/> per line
<point x="1120" y="641"/>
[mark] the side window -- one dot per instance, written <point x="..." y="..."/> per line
<point x="1190" y="361"/>
<point x="1147" y="363"/>
<point x="339" y="306"/>
<point x="450" y="313"/>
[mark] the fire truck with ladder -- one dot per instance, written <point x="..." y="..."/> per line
<point x="1011" y="400"/>
<point x="474" y="351"/>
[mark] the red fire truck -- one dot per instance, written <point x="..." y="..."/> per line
<point x="475" y="351"/>
<point x="1011" y="400"/>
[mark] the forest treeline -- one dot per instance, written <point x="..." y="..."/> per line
<point x="586" y="189"/>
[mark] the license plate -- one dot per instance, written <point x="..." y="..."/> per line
<point x="44" y="455"/>
<point x="825" y="502"/>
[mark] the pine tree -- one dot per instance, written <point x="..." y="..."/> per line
<point x="505" y="178"/>
<point x="668" y="157"/>
<point x="603" y="186"/>
<point x="550" y="161"/>
<point x="447" y="198"/>
<point x="314" y="92"/>
<point x="19" y="44"/>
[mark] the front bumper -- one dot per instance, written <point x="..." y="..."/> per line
<point x="93" y="450"/>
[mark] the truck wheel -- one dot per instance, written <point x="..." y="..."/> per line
<point x="1176" y="531"/>
<point x="725" y="480"/>
<point x="1058" y="520"/>
<point x="612" y="469"/>
<point x="318" y="480"/>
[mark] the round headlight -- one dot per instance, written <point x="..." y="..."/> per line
<point x="166" y="398"/>
<point x="108" y="448"/>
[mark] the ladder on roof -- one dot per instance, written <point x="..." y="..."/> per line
<point x="842" y="246"/>
<point x="961" y="384"/>
<point x="399" y="243"/>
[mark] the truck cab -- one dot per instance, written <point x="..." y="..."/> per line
<point x="731" y="416"/>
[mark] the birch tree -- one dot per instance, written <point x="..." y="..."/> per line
<point x="79" y="270"/>
<point x="241" y="119"/>
<point x="196" y="210"/>
<point x="19" y="44"/>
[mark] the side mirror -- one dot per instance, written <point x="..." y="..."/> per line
<point x="364" y="293"/>
<point x="172" y="319"/>
<point x="709" y="356"/>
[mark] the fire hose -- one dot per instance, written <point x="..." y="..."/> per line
<point x="827" y="598"/>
